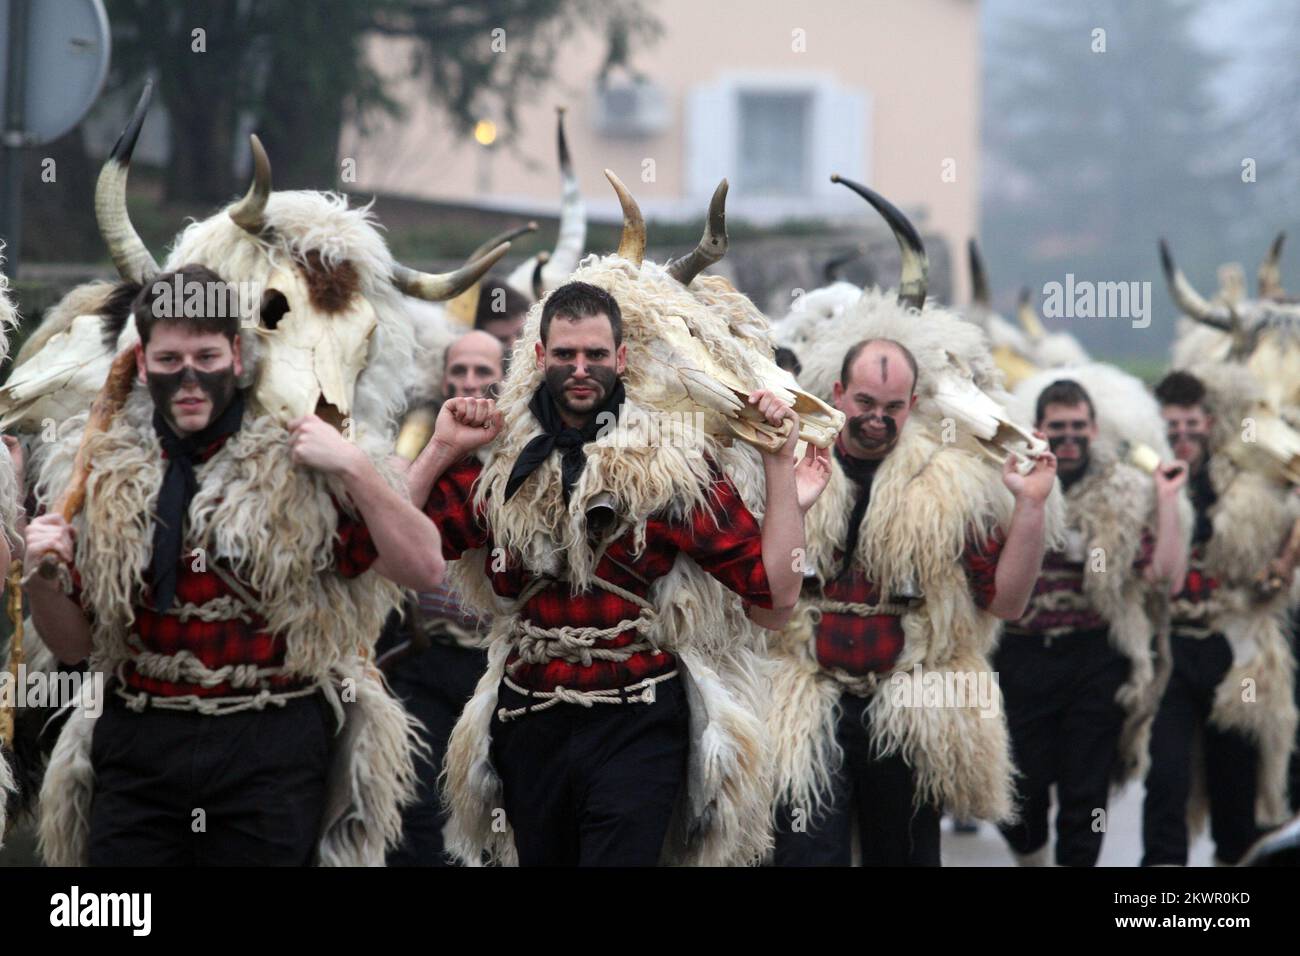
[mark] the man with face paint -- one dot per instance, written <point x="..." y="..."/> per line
<point x="186" y="723"/>
<point x="1202" y="658"/>
<point x="859" y="634"/>
<point x="591" y="743"/>
<point x="432" y="657"/>
<point x="1074" y="667"/>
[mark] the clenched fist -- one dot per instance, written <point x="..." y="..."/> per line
<point x="466" y="424"/>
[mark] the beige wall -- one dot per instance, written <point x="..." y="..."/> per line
<point x="911" y="67"/>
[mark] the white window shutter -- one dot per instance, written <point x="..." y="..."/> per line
<point x="841" y="138"/>
<point x="710" y="142"/>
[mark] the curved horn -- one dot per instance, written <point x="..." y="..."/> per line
<point x="1188" y="299"/>
<point x="1270" y="273"/>
<point x="539" y="287"/>
<point x="831" y="271"/>
<point x="979" y="279"/>
<point x="709" y="249"/>
<point x="464" y="307"/>
<point x="510" y="235"/>
<point x="914" y="278"/>
<point x="1027" y="315"/>
<point x="436" y="287"/>
<point x="250" y="212"/>
<point x="631" y="245"/>
<point x="131" y="256"/>
<point x="572" y="237"/>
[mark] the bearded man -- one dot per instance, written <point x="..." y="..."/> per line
<point x="1076" y="669"/>
<point x="590" y="724"/>
<point x="842" y="660"/>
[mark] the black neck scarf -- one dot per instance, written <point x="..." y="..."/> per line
<point x="178" y="488"/>
<point x="557" y="435"/>
<point x="862" y="471"/>
<point x="1203" y="496"/>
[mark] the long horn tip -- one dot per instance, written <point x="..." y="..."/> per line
<point x="532" y="226"/>
<point x="1023" y="298"/>
<point x="1166" y="259"/>
<point x="495" y="254"/>
<point x="543" y="257"/>
<point x="835" y="177"/>
<point x="125" y="144"/>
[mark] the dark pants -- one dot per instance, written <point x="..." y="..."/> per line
<point x="1065" y="727"/>
<point x="1230" y="760"/>
<point x="434" y="685"/>
<point x="877" y="792"/>
<point x="183" y="789"/>
<point x="592" y="786"/>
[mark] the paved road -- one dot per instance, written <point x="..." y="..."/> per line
<point x="1121" y="847"/>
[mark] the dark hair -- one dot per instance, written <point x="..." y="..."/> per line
<point x="1181" y="388"/>
<point x="786" y="359"/>
<point x="577" y="300"/>
<point x="851" y="356"/>
<point x="193" y="297"/>
<point x="497" y="301"/>
<point x="1063" y="391"/>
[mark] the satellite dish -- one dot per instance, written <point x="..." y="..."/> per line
<point x="65" y="63"/>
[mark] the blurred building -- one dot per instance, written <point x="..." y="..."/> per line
<point x="774" y="95"/>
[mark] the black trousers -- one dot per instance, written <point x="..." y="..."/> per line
<point x="877" y="792"/>
<point x="592" y="786"/>
<point x="1230" y="760"/>
<point x="182" y="789"/>
<point x="1065" y="726"/>
<point x="434" y="685"/>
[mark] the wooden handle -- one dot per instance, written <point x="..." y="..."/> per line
<point x="112" y="396"/>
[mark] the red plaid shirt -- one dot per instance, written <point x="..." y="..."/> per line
<point x="862" y="645"/>
<point x="220" y="643"/>
<point x="1058" y="605"/>
<point x="1190" y="610"/>
<point x="725" y="541"/>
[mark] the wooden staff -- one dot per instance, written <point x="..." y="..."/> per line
<point x="15" y="581"/>
<point x="112" y="396"/>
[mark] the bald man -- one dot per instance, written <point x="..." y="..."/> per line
<point x="857" y="636"/>
<point x="430" y="658"/>
<point x="473" y="366"/>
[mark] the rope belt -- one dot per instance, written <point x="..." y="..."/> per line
<point x="214" y="706"/>
<point x="576" y="645"/>
<point x="224" y="608"/>
<point x="861" y="610"/>
<point x="642" y="692"/>
<point x="860" y="685"/>
<point x="1191" y="619"/>
<point x="184" y="668"/>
